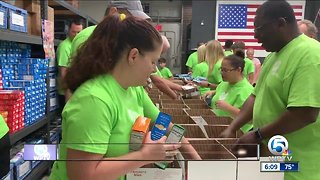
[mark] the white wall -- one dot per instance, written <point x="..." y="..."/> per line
<point x="94" y="9"/>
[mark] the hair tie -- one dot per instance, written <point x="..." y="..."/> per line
<point x="122" y="16"/>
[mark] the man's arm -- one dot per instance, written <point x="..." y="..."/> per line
<point x="293" y="119"/>
<point x="162" y="86"/>
<point x="244" y="117"/>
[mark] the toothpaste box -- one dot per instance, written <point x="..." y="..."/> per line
<point x="160" y="127"/>
<point x="138" y="133"/>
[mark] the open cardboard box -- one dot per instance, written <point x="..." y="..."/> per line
<point x="173" y="172"/>
<point x="211" y="150"/>
<point x="198" y="106"/>
<point x="182" y="119"/>
<point x="172" y="101"/>
<point x="215" y="120"/>
<point x="173" y="112"/>
<point x="214" y="131"/>
<point x="194" y="101"/>
<point x="193" y="131"/>
<point x="200" y="112"/>
<point x="175" y="106"/>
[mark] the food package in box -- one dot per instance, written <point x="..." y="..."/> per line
<point x="22" y="168"/>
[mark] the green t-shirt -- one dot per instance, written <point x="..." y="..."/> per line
<point x="233" y="94"/>
<point x="3" y="127"/>
<point x="289" y="79"/>
<point x="228" y="52"/>
<point x="81" y="37"/>
<point x="166" y="73"/>
<point x="215" y="77"/>
<point x="248" y="67"/>
<point x="98" y="117"/>
<point x="63" y="58"/>
<point x="192" y="60"/>
<point x="64" y="52"/>
<point x="201" y="70"/>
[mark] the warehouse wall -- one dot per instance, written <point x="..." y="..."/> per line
<point x="94" y="9"/>
<point x="202" y="11"/>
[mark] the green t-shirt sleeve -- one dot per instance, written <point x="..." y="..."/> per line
<point x="250" y="67"/>
<point x="166" y="73"/>
<point x="88" y="125"/>
<point x="305" y="87"/>
<point x="196" y="71"/>
<point x="192" y="60"/>
<point x="63" y="54"/>
<point x="77" y="42"/>
<point x="149" y="109"/>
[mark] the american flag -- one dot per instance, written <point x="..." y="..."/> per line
<point x="235" y="21"/>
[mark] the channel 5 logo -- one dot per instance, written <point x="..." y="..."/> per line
<point x="278" y="145"/>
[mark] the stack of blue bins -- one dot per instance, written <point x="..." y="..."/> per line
<point x="20" y="72"/>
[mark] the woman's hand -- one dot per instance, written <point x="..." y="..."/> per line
<point x="158" y="150"/>
<point x="222" y="105"/>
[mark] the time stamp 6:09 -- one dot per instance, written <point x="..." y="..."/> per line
<point x="279" y="166"/>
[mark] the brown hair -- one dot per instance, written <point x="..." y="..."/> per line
<point x="110" y="40"/>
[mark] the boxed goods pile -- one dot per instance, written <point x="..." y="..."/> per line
<point x="12" y="107"/>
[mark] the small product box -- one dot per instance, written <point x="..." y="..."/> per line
<point x="139" y="130"/>
<point x="160" y="127"/>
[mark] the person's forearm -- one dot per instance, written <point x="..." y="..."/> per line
<point x="188" y="151"/>
<point x="173" y="85"/>
<point x="233" y="111"/>
<point x="163" y="87"/>
<point x="245" y="114"/>
<point x="251" y="78"/>
<point x="108" y="168"/>
<point x="291" y="120"/>
<point x="213" y="86"/>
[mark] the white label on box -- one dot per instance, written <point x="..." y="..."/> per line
<point x="156" y="174"/>
<point x="52" y="82"/>
<point x="24" y="168"/>
<point x="17" y="19"/>
<point x="199" y="120"/>
<point x="53" y="101"/>
<point x="1" y="18"/>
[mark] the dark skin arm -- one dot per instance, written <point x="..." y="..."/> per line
<point x="293" y="119"/>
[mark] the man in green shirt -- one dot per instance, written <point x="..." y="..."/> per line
<point x="4" y="148"/>
<point x="63" y="56"/>
<point x="286" y="99"/>
<point x="165" y="72"/>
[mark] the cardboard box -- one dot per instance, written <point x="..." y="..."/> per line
<point x="34" y="22"/>
<point x="51" y="14"/>
<point x="173" y="172"/>
<point x="182" y="119"/>
<point x="32" y="6"/>
<point x="138" y="133"/>
<point x="211" y="150"/>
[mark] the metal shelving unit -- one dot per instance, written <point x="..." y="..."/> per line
<point x="9" y="35"/>
<point x="28" y="130"/>
<point x="39" y="170"/>
<point x="72" y="11"/>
